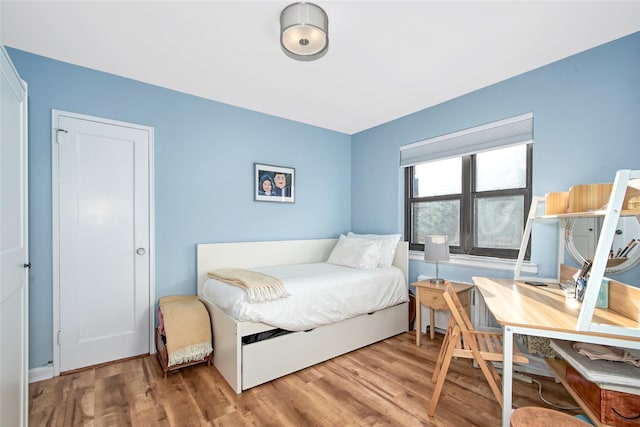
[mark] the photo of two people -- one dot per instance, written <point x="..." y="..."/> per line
<point x="274" y="183"/>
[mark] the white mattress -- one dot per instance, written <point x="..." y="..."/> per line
<point x="321" y="294"/>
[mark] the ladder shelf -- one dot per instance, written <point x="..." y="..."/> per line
<point x="613" y="211"/>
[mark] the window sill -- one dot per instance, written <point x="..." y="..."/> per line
<point x="481" y="262"/>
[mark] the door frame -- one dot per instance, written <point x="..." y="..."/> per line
<point x="55" y="204"/>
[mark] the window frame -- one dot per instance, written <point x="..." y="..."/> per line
<point x="467" y="200"/>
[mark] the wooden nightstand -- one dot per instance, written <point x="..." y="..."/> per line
<point x="430" y="295"/>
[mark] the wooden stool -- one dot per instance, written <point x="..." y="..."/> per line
<point x="533" y="416"/>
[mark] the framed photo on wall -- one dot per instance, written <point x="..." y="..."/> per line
<point x="273" y="183"/>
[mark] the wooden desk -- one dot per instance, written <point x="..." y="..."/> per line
<point x="430" y="295"/>
<point x="544" y="312"/>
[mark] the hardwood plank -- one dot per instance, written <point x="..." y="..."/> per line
<point x="207" y="393"/>
<point x="68" y="400"/>
<point x="307" y="404"/>
<point x="142" y="387"/>
<point x="384" y="384"/>
<point x="112" y="409"/>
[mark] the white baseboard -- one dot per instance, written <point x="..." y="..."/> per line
<point x="40" y="374"/>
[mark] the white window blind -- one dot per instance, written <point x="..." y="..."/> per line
<point x="502" y="133"/>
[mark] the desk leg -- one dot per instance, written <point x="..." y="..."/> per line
<point x="418" y="318"/>
<point x="507" y="376"/>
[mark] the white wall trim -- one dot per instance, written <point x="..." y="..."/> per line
<point x="40" y="374"/>
<point x="481" y="262"/>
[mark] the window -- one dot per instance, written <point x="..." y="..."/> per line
<point x="480" y="200"/>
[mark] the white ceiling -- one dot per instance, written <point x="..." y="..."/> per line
<point x="386" y="59"/>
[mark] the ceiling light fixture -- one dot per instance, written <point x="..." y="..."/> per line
<point x="304" y="31"/>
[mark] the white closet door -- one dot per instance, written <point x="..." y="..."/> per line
<point x="14" y="296"/>
<point x="104" y="240"/>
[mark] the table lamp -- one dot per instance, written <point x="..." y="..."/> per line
<point x="436" y="248"/>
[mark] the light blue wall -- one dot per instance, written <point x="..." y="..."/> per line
<point x="586" y="111"/>
<point x="586" y="126"/>
<point x="204" y="154"/>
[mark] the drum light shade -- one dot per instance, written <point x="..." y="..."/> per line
<point x="304" y="31"/>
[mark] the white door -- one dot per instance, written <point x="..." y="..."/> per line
<point x="14" y="304"/>
<point x="103" y="264"/>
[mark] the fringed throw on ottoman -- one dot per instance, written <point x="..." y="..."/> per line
<point x="187" y="330"/>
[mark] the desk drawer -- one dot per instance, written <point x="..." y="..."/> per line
<point x="433" y="299"/>
<point x="613" y="407"/>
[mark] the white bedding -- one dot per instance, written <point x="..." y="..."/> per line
<point x="321" y="294"/>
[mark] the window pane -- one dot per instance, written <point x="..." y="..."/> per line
<point x="499" y="222"/>
<point x="501" y="169"/>
<point x="438" y="178"/>
<point x="441" y="217"/>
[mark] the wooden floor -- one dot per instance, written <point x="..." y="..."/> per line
<point x="387" y="383"/>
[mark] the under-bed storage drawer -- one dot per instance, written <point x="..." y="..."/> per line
<point x="273" y="358"/>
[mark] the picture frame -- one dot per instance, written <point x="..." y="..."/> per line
<point x="273" y="183"/>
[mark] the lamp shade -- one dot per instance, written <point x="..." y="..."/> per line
<point x="436" y="248"/>
<point x="304" y="31"/>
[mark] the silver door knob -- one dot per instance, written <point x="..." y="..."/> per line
<point x="140" y="251"/>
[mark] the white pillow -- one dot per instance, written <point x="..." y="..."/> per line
<point x="389" y="246"/>
<point x="356" y="253"/>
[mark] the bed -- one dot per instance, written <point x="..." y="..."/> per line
<point x="245" y="365"/>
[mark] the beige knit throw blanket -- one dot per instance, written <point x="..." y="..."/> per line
<point x="187" y="327"/>
<point x="260" y="287"/>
